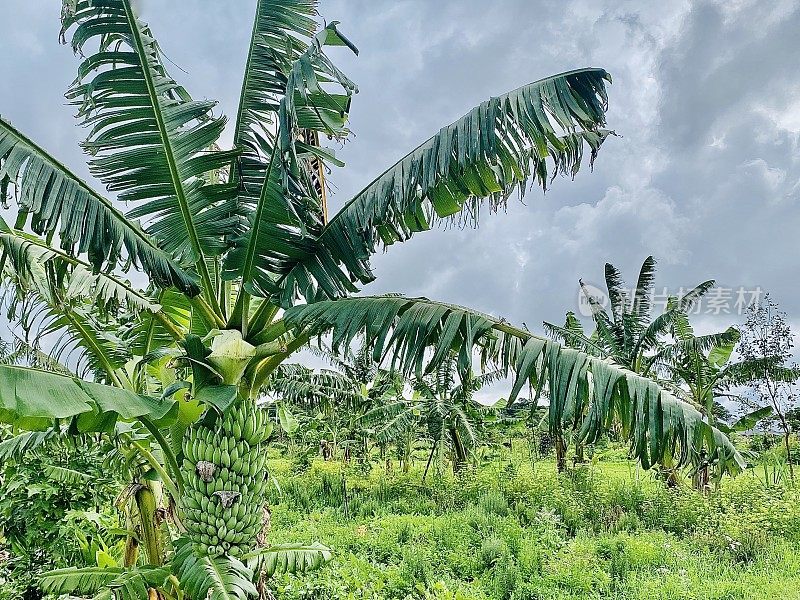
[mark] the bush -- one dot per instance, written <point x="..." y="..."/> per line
<point x="49" y="518"/>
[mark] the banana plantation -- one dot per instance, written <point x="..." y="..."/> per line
<point x="201" y="400"/>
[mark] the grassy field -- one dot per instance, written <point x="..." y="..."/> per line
<point x="516" y="530"/>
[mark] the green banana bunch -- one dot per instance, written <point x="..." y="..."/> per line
<point x="224" y="468"/>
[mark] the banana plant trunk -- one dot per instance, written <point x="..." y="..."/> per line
<point x="459" y="452"/>
<point x="561" y="454"/>
<point x="701" y="478"/>
<point x="787" y="447"/>
<point x="147" y="497"/>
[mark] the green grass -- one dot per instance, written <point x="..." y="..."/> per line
<point x="512" y="530"/>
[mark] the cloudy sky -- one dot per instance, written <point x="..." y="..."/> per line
<point x="705" y="173"/>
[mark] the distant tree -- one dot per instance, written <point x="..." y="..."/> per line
<point x="703" y="374"/>
<point x="767" y="337"/>
<point x="628" y="332"/>
<point x="337" y="398"/>
<point x="793" y="418"/>
<point x="441" y="409"/>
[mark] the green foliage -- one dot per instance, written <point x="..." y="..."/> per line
<point x="227" y="239"/>
<point x="608" y="530"/>
<point x="212" y="577"/>
<point x="121" y="584"/>
<point x="476" y="158"/>
<point x="49" y="515"/>
<point x="587" y="395"/>
<point x="33" y="399"/>
<point x="288" y="558"/>
<point x="57" y="201"/>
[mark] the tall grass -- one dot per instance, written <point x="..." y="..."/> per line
<point x="515" y="530"/>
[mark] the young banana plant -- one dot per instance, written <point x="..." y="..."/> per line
<point x="230" y="238"/>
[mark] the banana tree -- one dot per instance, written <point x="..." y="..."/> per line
<point x="704" y="374"/>
<point x="439" y="408"/>
<point x="627" y="331"/>
<point x="228" y="238"/>
<point x="337" y="399"/>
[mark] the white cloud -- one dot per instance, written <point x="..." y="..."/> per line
<point x="704" y="96"/>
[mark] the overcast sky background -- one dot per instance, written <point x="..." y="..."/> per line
<point x="706" y="99"/>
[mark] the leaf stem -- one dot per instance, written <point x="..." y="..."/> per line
<point x="166" y="449"/>
<point x="157" y="466"/>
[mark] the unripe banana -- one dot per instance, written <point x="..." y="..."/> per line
<point x="249" y="428"/>
<point x="222" y="507"/>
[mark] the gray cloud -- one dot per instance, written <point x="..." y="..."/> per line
<point x="705" y="175"/>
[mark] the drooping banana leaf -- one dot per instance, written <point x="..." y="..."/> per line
<point x="586" y="394"/>
<point x="525" y="136"/>
<point x="58" y="202"/>
<point x="212" y="577"/>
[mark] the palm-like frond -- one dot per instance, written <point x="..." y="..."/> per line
<point x="15" y="447"/>
<point x="286" y="212"/>
<point x="471" y="383"/>
<point x="281" y="32"/>
<point x="464" y="428"/>
<point x="495" y="148"/>
<point x="676" y="311"/>
<point x="418" y="334"/>
<point x="305" y="387"/>
<point x="393" y="420"/>
<point x="573" y="336"/>
<point x="644" y="286"/>
<point x="148" y="139"/>
<point x="745" y="371"/>
<point x="65" y="475"/>
<point x="83" y="581"/>
<point x="60" y="203"/>
<point x="147" y="331"/>
<point x="60" y="277"/>
<point x="76" y="337"/>
<point x="212" y="577"/>
<point x="63" y="302"/>
<point x="287" y="558"/>
<point x="695" y="345"/>
<point x="110" y="582"/>
<point x="135" y="584"/>
<point x="610" y="334"/>
<point x="29" y="353"/>
<point x="616" y="292"/>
